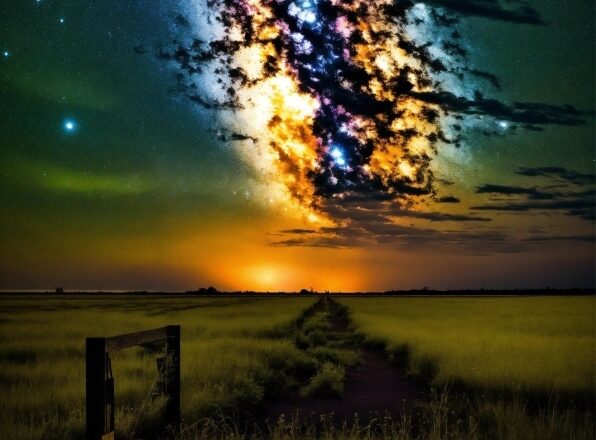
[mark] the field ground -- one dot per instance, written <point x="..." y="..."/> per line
<point x="368" y="386"/>
<point x="229" y="346"/>
<point x="538" y="344"/>
<point x="500" y="368"/>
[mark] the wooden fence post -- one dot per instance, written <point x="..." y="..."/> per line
<point x="99" y="386"/>
<point x="173" y="374"/>
<point x="95" y="388"/>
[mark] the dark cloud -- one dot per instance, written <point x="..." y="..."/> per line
<point x="291" y="242"/>
<point x="546" y="238"/>
<point x="549" y="205"/>
<point x="533" y="193"/>
<point x="371" y="221"/>
<point x="521" y="13"/>
<point x="241" y="137"/>
<point x="323" y="242"/>
<point x="447" y="199"/>
<point x="530" y="115"/>
<point x="491" y="78"/>
<point x="548" y="199"/>
<point x="439" y="216"/>
<point x="561" y="173"/>
<point x="227" y="136"/>
<point x="298" y="231"/>
<point x="373" y="224"/>
<point x="579" y="207"/>
<point x="376" y="229"/>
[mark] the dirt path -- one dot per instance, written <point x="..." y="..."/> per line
<point x="372" y="387"/>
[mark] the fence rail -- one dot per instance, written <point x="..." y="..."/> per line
<point x="100" y="389"/>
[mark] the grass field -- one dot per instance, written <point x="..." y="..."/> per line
<point x="231" y="348"/>
<point x="239" y="352"/>
<point x="502" y="367"/>
<point x="537" y="344"/>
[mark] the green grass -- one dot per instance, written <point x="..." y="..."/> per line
<point x="537" y="344"/>
<point x="327" y="383"/>
<point x="509" y="368"/>
<point x="238" y="352"/>
<point x="233" y="352"/>
<point x="316" y="338"/>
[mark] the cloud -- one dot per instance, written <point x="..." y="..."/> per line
<point x="530" y="115"/>
<point x="532" y="193"/>
<point x="582" y="207"/>
<point x="561" y="173"/>
<point x="491" y="78"/>
<point x="580" y="202"/>
<point x="439" y="216"/>
<point x="447" y="199"/>
<point x="322" y="242"/>
<point x="546" y="238"/>
<point x="549" y="205"/>
<point x="298" y="231"/>
<point x="367" y="222"/>
<point x="381" y="231"/>
<point x="492" y="9"/>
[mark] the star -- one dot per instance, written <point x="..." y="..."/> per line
<point x="6" y="54"/>
<point x="70" y="125"/>
<point x="504" y="124"/>
<point x="61" y="20"/>
<point x="337" y="154"/>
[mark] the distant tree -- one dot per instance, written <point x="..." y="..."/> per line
<point x="205" y="291"/>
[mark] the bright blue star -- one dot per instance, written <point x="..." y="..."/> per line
<point x="336" y="153"/>
<point x="61" y="20"/>
<point x="6" y="54"/>
<point x="70" y="125"/>
<point x="504" y="124"/>
<point x="338" y="156"/>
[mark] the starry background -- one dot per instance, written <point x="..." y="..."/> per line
<point x="110" y="178"/>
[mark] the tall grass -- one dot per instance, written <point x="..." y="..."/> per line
<point x="235" y="352"/>
<point x="444" y="417"/>
<point x="231" y="350"/>
<point x="522" y="368"/>
<point x="537" y="344"/>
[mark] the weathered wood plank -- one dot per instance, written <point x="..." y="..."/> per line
<point x="173" y="375"/>
<point x="95" y="388"/>
<point x="120" y="342"/>
<point x="99" y="381"/>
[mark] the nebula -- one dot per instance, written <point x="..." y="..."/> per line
<point x="336" y="100"/>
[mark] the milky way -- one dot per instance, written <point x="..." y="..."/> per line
<point x="343" y="99"/>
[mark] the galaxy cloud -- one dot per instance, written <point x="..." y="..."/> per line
<point x="344" y="99"/>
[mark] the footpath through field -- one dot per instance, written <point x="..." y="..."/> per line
<point x="373" y="387"/>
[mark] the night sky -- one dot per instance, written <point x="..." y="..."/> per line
<point x="338" y="146"/>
